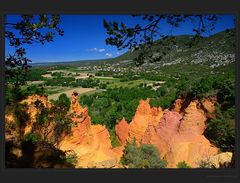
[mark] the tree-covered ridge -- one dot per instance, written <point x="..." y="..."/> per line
<point x="204" y="52"/>
<point x="142" y="36"/>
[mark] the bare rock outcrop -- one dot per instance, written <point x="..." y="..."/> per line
<point x="181" y="137"/>
<point x="177" y="105"/>
<point x="178" y="138"/>
<point x="75" y="107"/>
<point x="90" y="143"/>
<point x="194" y="119"/>
<point x="221" y="159"/>
<point x="122" y="129"/>
<point x="177" y="133"/>
<point x="94" y="150"/>
<point x="141" y="119"/>
<point x="208" y="105"/>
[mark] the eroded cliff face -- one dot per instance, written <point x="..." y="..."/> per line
<point x="122" y="129"/>
<point x="91" y="143"/>
<point x="143" y="116"/>
<point x="177" y="133"/>
<point x="178" y="137"/>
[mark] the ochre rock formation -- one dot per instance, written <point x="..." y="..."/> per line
<point x="177" y="133"/>
<point x="193" y="120"/>
<point x="11" y="128"/>
<point x="122" y="129"/>
<point x="32" y="110"/>
<point x="33" y="98"/>
<point x="93" y="150"/>
<point x="178" y="138"/>
<point x="209" y="104"/>
<point x="177" y="105"/>
<point x="143" y="116"/>
<point x="163" y="134"/>
<point x="184" y="140"/>
<point x="90" y="143"/>
<point x="75" y="107"/>
<point x="209" y="107"/>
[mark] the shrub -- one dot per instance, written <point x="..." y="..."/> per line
<point x="114" y="140"/>
<point x="183" y="164"/>
<point x="205" y="164"/>
<point x="71" y="158"/>
<point x="31" y="137"/>
<point x="103" y="86"/>
<point x="144" y="156"/>
<point x="222" y="133"/>
<point x="63" y="102"/>
<point x="60" y="81"/>
<point x="161" y="91"/>
<point x="21" y="116"/>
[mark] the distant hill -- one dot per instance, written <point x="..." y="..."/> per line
<point x="71" y="63"/>
<point x="216" y="50"/>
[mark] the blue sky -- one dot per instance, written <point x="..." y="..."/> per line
<point x="84" y="37"/>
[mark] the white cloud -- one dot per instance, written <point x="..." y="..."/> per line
<point x="98" y="49"/>
<point x="118" y="53"/>
<point x="109" y="54"/>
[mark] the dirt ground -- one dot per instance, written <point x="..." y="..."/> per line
<point x="47" y="75"/>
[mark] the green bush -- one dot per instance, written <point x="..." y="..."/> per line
<point x="114" y="140"/>
<point x="144" y="156"/>
<point x="88" y="83"/>
<point x="59" y="116"/>
<point x="71" y="158"/>
<point x="63" y="102"/>
<point x="35" y="74"/>
<point x="221" y="131"/>
<point x="31" y="137"/>
<point x="34" y="89"/>
<point x="161" y="91"/>
<point x="183" y="164"/>
<point x="42" y="116"/>
<point x="60" y="81"/>
<point x="21" y="115"/>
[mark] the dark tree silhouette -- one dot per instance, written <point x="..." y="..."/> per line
<point x="30" y="29"/>
<point x="141" y="37"/>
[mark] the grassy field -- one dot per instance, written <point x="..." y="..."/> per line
<point x="55" y="89"/>
<point x="34" y="82"/>
<point x="92" y="92"/>
<point x="69" y="92"/>
<point x="117" y="83"/>
<point x="101" y="78"/>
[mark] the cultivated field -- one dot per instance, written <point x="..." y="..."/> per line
<point x="80" y="90"/>
<point x="117" y="83"/>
